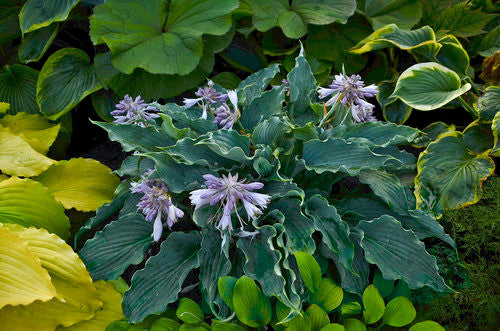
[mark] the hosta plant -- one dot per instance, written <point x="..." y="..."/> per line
<point x="269" y="172"/>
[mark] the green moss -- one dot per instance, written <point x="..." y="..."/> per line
<point x="474" y="305"/>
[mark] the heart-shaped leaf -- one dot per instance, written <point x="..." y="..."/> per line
<point x="399" y="312"/>
<point x="37" y="14"/>
<point x="18" y="88"/>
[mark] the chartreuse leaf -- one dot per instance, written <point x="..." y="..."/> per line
<point x="76" y="298"/>
<point x="65" y="79"/>
<point x="29" y="203"/>
<point x="161" y="38"/>
<point x="316" y="317"/>
<point x="189" y="311"/>
<point x="163" y="273"/>
<point x="37" y="14"/>
<point x="309" y="270"/>
<point x="352" y="324"/>
<point x="35" y="44"/>
<point x="4" y="106"/>
<point x="328" y="296"/>
<point x="333" y="327"/>
<point x="399" y="254"/>
<point x="495" y="128"/>
<point x="111" y="309"/>
<point x="34" y="128"/>
<point x="488" y="104"/>
<point x="120" y="244"/>
<point x="294" y="17"/>
<point x="18" y="88"/>
<point x="83" y="184"/>
<point x="426" y="326"/>
<point x="404" y="13"/>
<point x="251" y="306"/>
<point x="399" y="312"/>
<point x="449" y="175"/>
<point x="429" y="85"/>
<point x="163" y="324"/>
<point x="225" y="285"/>
<point x="373" y="305"/>
<point x="23" y="279"/>
<point x="253" y="86"/>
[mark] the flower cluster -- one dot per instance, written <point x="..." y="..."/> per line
<point x="207" y="96"/>
<point x="225" y="117"/>
<point x="352" y="92"/>
<point x="134" y="111"/>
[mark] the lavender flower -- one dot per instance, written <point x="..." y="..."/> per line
<point x="206" y="96"/>
<point x="130" y="111"/>
<point x="224" y="116"/>
<point x="284" y="83"/>
<point x="228" y="191"/>
<point x="156" y="203"/>
<point x="352" y="92"/>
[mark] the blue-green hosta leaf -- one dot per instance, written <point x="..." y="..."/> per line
<point x="399" y="254"/>
<point x="158" y="37"/>
<point x="432" y="132"/>
<point x="404" y="13"/>
<point x="495" y="129"/>
<point x="251" y="306"/>
<point x="135" y="138"/>
<point x="293" y="18"/>
<point x="478" y="137"/>
<point x="65" y="79"/>
<point x="120" y="244"/>
<point x="188" y="118"/>
<point x="163" y="273"/>
<point x="394" y="110"/>
<point x="262" y="108"/>
<point x="36" y="43"/>
<point x="336" y="154"/>
<point x="268" y="131"/>
<point x="488" y="104"/>
<point x="18" y="88"/>
<point x="253" y="86"/>
<point x="449" y="175"/>
<point x="37" y="14"/>
<point x="429" y="85"/>
<point x="228" y="144"/>
<point x="490" y="43"/>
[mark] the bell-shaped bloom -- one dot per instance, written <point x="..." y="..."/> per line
<point x="225" y="117"/>
<point x="134" y="111"/>
<point x="206" y="96"/>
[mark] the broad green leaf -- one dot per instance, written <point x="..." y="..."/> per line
<point x="83" y="184"/>
<point x="488" y="104"/>
<point x="427" y="326"/>
<point x="495" y="128"/>
<point x="268" y="131"/>
<point x="251" y="306"/>
<point x="135" y="138"/>
<point x="227" y="80"/>
<point x="373" y="305"/>
<point x="65" y="79"/>
<point x="449" y="176"/>
<point x="9" y="20"/>
<point x="309" y="270"/>
<point x="18" y="88"/>
<point x="228" y="144"/>
<point x="352" y="324"/>
<point x="24" y="280"/>
<point x="29" y="203"/>
<point x="399" y="254"/>
<point x="111" y="309"/>
<point x="490" y="43"/>
<point x="34" y="128"/>
<point x="350" y="308"/>
<point x="399" y="312"/>
<point x="262" y="108"/>
<point x="158" y="38"/>
<point x="404" y="13"/>
<point x="294" y="17"/>
<point x="333" y="327"/>
<point x="121" y="243"/>
<point x="316" y="317"/>
<point x="225" y="286"/>
<point x="253" y="86"/>
<point x="163" y="273"/>
<point x="427" y="86"/>
<point x="37" y="14"/>
<point x="76" y="294"/>
<point x="432" y="132"/>
<point x="329" y="295"/>
<point x="394" y="110"/>
<point x="35" y="44"/>
<point x="104" y="103"/>
<point x="478" y="137"/>
<point x="164" y="324"/>
<point x="189" y="311"/>
<point x="221" y="326"/>
<point x="453" y="56"/>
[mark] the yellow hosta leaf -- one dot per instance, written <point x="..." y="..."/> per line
<point x="35" y="128"/>
<point x="4" y="106"/>
<point x="18" y="158"/>
<point x="22" y="278"/>
<point x="3" y="177"/>
<point x="84" y="184"/>
<point x="29" y="203"/>
<point x="110" y="311"/>
<point x="77" y="295"/>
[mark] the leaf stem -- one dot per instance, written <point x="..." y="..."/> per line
<point x="468" y="107"/>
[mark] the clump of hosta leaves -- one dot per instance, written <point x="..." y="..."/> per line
<point x="254" y="179"/>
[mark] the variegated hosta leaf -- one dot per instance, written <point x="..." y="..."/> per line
<point x="432" y="132"/>
<point x="449" y="175"/>
<point x="37" y="14"/>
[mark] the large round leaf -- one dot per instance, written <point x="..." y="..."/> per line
<point x="65" y="79"/>
<point x="18" y="88"/>
<point x="449" y="175"/>
<point x="251" y="306"/>
<point x="83" y="184"/>
<point x="22" y="278"/>
<point x="37" y="14"/>
<point x="36" y="43"/>
<point x="429" y="85"/>
<point x="28" y="203"/>
<point x="399" y="312"/>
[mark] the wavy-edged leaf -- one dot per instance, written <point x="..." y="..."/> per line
<point x="432" y="132"/>
<point x="251" y="306"/>
<point x="268" y="131"/>
<point x="399" y="254"/>
<point x="453" y="55"/>
<point x="35" y="44"/>
<point x="29" y="203"/>
<point x="83" y="184"/>
<point x="449" y="176"/>
<point x="404" y="13"/>
<point x="120" y="244"/>
<point x="228" y="144"/>
<point x="429" y="85"/>
<point x="163" y="273"/>
<point x="65" y="79"/>
<point x="269" y="103"/>
<point x="37" y="14"/>
<point x="23" y="279"/>
<point x="253" y="86"/>
<point x="18" y="88"/>
<point x="478" y="137"/>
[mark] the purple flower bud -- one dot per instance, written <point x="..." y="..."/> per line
<point x="207" y="96"/>
<point x="225" y="117"/>
<point x="130" y="111"/>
